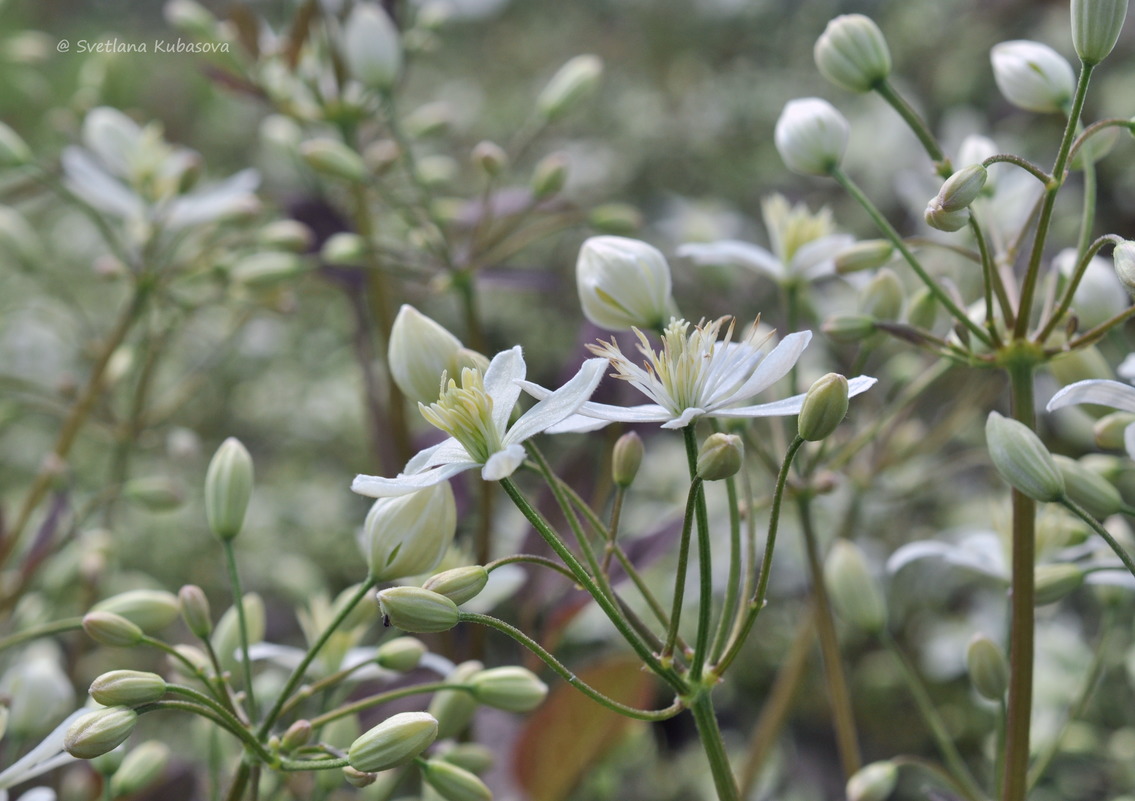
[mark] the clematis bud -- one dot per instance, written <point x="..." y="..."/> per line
<point x="127" y="688"/>
<point x="228" y="488"/>
<point x="1124" y="258"/>
<point x="852" y="53"/>
<point x="416" y="610"/>
<point x="720" y="456"/>
<point x="849" y="328"/>
<point x="882" y="298"/>
<point x="1089" y="489"/>
<point x="226" y="635"/>
<point x="490" y="157"/>
<point x="1095" y="27"/>
<point x="1108" y="432"/>
<point x="874" y="782"/>
<point x="988" y="669"/>
<point x="401" y="654"/>
<point x="615" y="218"/>
<point x="961" y="189"/>
<point x="549" y="176"/>
<point x="1032" y="76"/>
<point x="195" y="610"/>
<point x="372" y="47"/>
<point x="289" y="235"/>
<point x="948" y="221"/>
<point x="107" y="628"/>
<point x="409" y="534"/>
<point x="297" y="735"/>
<point x="854" y="592"/>
<point x="1022" y="460"/>
<point x="420" y="350"/>
<point x="150" y="610"/>
<point x="454" y="783"/>
<point x="811" y="136"/>
<point x="474" y="757"/>
<point x="454" y="708"/>
<point x="142" y="767"/>
<point x="396" y="740"/>
<point x="571" y="83"/>
<point x="357" y="778"/>
<point x="460" y="584"/>
<point x="266" y="269"/>
<point x="922" y="311"/>
<point x="866" y="255"/>
<point x="513" y="689"/>
<point x="332" y="157"/>
<point x="14" y="151"/>
<point x="98" y="732"/>
<point x="154" y="493"/>
<point x="626" y="459"/>
<point x="344" y="248"/>
<point x="1054" y="582"/>
<point x="623" y="283"/>
<point x="825" y="406"/>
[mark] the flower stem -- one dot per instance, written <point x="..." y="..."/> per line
<point x="680" y="573"/>
<point x="382" y="698"/>
<point x="710" y="735"/>
<point x="46" y="630"/>
<point x="705" y="559"/>
<point x="916" y="125"/>
<point x="242" y="619"/>
<point x="1119" y="550"/>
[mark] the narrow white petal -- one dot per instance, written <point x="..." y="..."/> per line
<point x="860" y="384"/>
<point x="503" y="464"/>
<point x="779" y="408"/>
<point x="733" y="252"/>
<point x="774" y="366"/>
<point x="817" y="258"/>
<point x="504" y="371"/>
<point x="1097" y="391"/>
<point x="559" y="405"/>
<point x="445" y="452"/>
<point x="646" y="413"/>
<point x="685" y="418"/>
<point x="577" y="424"/>
<point x="378" y="487"/>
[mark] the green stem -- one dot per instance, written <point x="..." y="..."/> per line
<point x="1119" y="550"/>
<point x="705" y="559"/>
<point x="217" y="715"/>
<point x="680" y="573"/>
<point x="1073" y="283"/>
<point x="46" y="630"/>
<point x="242" y="619"/>
<point x="714" y="746"/>
<point x="730" y="605"/>
<point x="1024" y="164"/>
<point x="532" y="559"/>
<point x="993" y="284"/>
<point x="939" y="773"/>
<point x="382" y="698"/>
<point x="916" y="125"/>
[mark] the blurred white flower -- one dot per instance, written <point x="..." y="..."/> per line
<point x="1102" y="392"/>
<point x="1032" y="76"/>
<point x="623" y="283"/>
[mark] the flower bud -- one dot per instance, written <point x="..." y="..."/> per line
<point x="100" y="731"/>
<point x="372" y="47"/>
<point x="852" y="53"/>
<point x="848" y="329"/>
<point x="1109" y="430"/>
<point x="490" y="157"/>
<point x="228" y="488"/>
<point x="948" y="221"/>
<point x="549" y="176"/>
<point x="866" y="255"/>
<point x="460" y="584"/>
<point x="1081" y="364"/>
<point x="142" y="767"/>
<point x="882" y="298"/>
<point x="409" y="534"/>
<point x="874" y="782"/>
<point x="107" y="628"/>
<point x="825" y="406"/>
<point x="922" y="311"/>
<point x="289" y="235"/>
<point x="454" y="783"/>
<point x="572" y="82"/>
<point x="619" y="219"/>
<point x="35" y="692"/>
<point x="344" y="249"/>
<point x="416" y="610"/>
<point x="513" y="689"/>
<point x="401" y="654"/>
<point x="154" y="493"/>
<point x="266" y="269"/>
<point x="420" y="350"/>
<point x="720" y="456"/>
<point x="623" y="283"/>
<point x="226" y="635"/>
<point x="1089" y="489"/>
<point x="854" y="592"/>
<point x="296" y="736"/>
<point x="428" y="120"/>
<point x="127" y="688"/>
<point x="1095" y="27"/>
<point x="1124" y="257"/>
<point x="1022" y="460"/>
<point x="988" y="669"/>
<point x="1055" y="581"/>
<point x="454" y="708"/>
<point x="396" y="740"/>
<point x="195" y="610"/>
<point x="151" y="610"/>
<point x="332" y="157"/>
<point x="626" y="459"/>
<point x="1032" y="76"/>
<point x="474" y="757"/>
<point x="961" y="189"/>
<point x="357" y="778"/>
<point x="811" y="136"/>
<point x="14" y="151"/>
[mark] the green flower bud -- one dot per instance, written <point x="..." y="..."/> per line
<point x="1080" y="365"/>
<point x="427" y="120"/>
<point x="100" y="731"/>
<point x="460" y="584"/>
<point x="142" y="767"/>
<point x="854" y="592"/>
<point x="267" y="269"/>
<point x="1022" y="460"/>
<point x="344" y="248"/>
<point x="619" y="219"/>
<point x="401" y="654"/>
<point x="332" y="157"/>
<point x="1032" y="76"/>
<point x="852" y="53"/>
<point x="1124" y="257"/>
<point x="922" y="311"/>
<point x="825" y="406"/>
<point x="409" y="534"/>
<point x="106" y="764"/>
<point x="195" y="610"/>
<point x="623" y="283"/>
<point x="454" y="708"/>
<point x="490" y="157"/>
<point x="882" y="298"/>
<point x="474" y="757"/>
<point x="35" y="692"/>
<point x="228" y="488"/>
<point x="1053" y="582"/>
<point x="296" y="736"/>
<point x="290" y="235"/>
<point x="154" y="493"/>
<point x="395" y="741"/>
<point x="572" y="82"/>
<point x="513" y="689"/>
<point x="874" y="782"/>
<point x="961" y="189"/>
<point x="454" y="783"/>
<point x="948" y="221"/>
<point x="988" y="668"/>
<point x="849" y="329"/>
<point x="107" y="628"/>
<point x="626" y="459"/>
<point x="372" y="47"/>
<point x="127" y="688"/>
<point x="416" y="610"/>
<point x="549" y="176"/>
<point x="720" y="456"/>
<point x="811" y="136"/>
<point x="14" y="151"/>
<point x="1108" y="431"/>
<point x="1095" y="27"/>
<point x="356" y="778"/>
<point x="1088" y="489"/>
<point x="190" y="17"/>
<point x="149" y="609"/>
<point x="869" y="254"/>
<point x="226" y="634"/>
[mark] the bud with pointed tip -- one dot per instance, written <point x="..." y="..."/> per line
<point x="1055" y="581"/>
<point x="401" y="654"/>
<point x="866" y="255"/>
<point x="490" y="157"/>
<point x="852" y="53"/>
<point x="332" y="157"/>
<point x="1022" y="460"/>
<point x="882" y="298"/>
<point x="873" y="782"/>
<point x="849" y="328"/>
<point x="549" y="176"/>
<point x="107" y="628"/>
<point x="420" y="350"/>
<point x="395" y="741"/>
<point x="228" y="488"/>
<point x="513" y="689"/>
<point x="922" y="311"/>
<point x="98" y="732"/>
<point x="854" y="591"/>
<point x="988" y="669"/>
<point x="961" y="189"/>
<point x="416" y="610"/>
<point x="195" y="610"/>
<point x="1124" y="257"/>
<point x="297" y="735"/>
<point x="460" y="584"/>
<point x="623" y="283"/>
<point x="720" y="456"/>
<point x="811" y="136"/>
<point x="455" y="708"/>
<point x="1032" y="76"/>
<point x="626" y="459"/>
<point x="1095" y="27"/>
<point x="825" y="406"/>
<point x="127" y="688"/>
<point x="454" y="783"/>
<point x="344" y="248"/>
<point x="150" y="610"/>
<point x="571" y="83"/>
<point x="372" y="47"/>
<point x="142" y="767"/>
<point x="1089" y="489"/>
<point x="409" y="534"/>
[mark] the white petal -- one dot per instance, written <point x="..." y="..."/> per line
<point x="1097" y="391"/>
<point x="378" y="487"/>
<point x="646" y="413"/>
<point x="859" y="384"/>
<point x="232" y="196"/>
<point x="503" y="464"/>
<point x="774" y="366"/>
<point x="1129" y="440"/>
<point x="90" y="182"/>
<point x="504" y="371"/>
<point x="685" y="418"/>
<point x="817" y="258"/>
<point x="448" y="451"/>
<point x="733" y="252"/>
<point x="779" y="408"/>
<point x="560" y="404"/>
<point x="577" y="424"/>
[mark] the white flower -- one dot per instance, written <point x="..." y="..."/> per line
<point x="811" y="136"/>
<point x="1032" y="76"/>
<point x="1101" y="392"/>
<point x="623" y="283"/>
<point x="694" y="375"/>
<point x="475" y="415"/>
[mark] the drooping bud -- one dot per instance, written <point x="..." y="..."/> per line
<point x="1022" y="460"/>
<point x="513" y="689"/>
<point x="372" y="47"/>
<point x="849" y="328"/>
<point x="873" y="782"/>
<point x="1032" y="76"/>
<point x="866" y="255"/>
<point x="127" y="688"/>
<point x="961" y="189"/>
<point x="107" y="628"/>
<point x="825" y="406"/>
<point x="988" y="668"/>
<point x="1095" y="27"/>
<point x="401" y="654"/>
<point x="922" y="311"/>
<point x="623" y="283"/>
<point x="882" y="298"/>
<point x="549" y="175"/>
<point x="142" y="767"/>
<point x="626" y="457"/>
<point x="454" y="783"/>
<point x="1089" y="489"/>
<point x="332" y="157"/>
<point x="454" y="708"/>
<point x="720" y="456"/>
<point x="811" y="136"/>
<point x="1124" y="257"/>
<point x="571" y="83"/>
<point x="948" y="221"/>
<point x="357" y="778"/>
<point x="228" y="488"/>
<point x="854" y="592"/>
<point x="460" y="584"/>
<point x="409" y="534"/>
<point x="100" y="731"/>
<point x="195" y="610"/>
<point x="395" y="741"/>
<point x="852" y="53"/>
<point x="1055" y="581"/>
<point x="416" y="610"/>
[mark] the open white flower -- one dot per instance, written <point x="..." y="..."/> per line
<point x="475" y="415"/>
<point x="694" y="375"/>
<point x="1101" y="392"/>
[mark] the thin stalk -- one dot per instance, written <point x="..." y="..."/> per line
<point x="613" y="526"/>
<point x="242" y="619"/>
<point x="382" y="698"/>
<point x="916" y="125"/>
<point x="1082" y="264"/>
<point x="542" y="561"/>
<point x="1112" y="543"/>
<point x="1094" y="335"/>
<point x="705" y="560"/>
<point x="1024" y="164"/>
<point x="733" y="589"/>
<point x="939" y="773"/>
<point x="680" y="573"/>
<point x="46" y="630"/>
<point x="215" y="714"/>
<point x="993" y="284"/>
<point x="710" y="735"/>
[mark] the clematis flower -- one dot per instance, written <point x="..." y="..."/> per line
<point x="1101" y="392"/>
<point x="475" y="415"/>
<point x="694" y="375"/>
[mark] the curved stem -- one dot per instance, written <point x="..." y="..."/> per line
<point x="916" y="125"/>
<point x="1073" y="283"/>
<point x="382" y="698"/>
<point x="46" y="630"/>
<point x="1024" y="164"/>
<point x="218" y="716"/>
<point x="532" y="559"/>
<point x="1112" y="543"/>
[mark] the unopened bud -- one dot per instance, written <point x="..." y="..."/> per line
<point x="988" y="669"/>
<point x="852" y="53"/>
<point x="100" y="731"/>
<point x="409" y="534"/>
<point x="401" y="654"/>
<point x="142" y="767"/>
<point x="1109" y="430"/>
<point x="619" y="219"/>
<point x="297" y="735"/>
<point x="626" y="459"/>
<point x="195" y="610"/>
<point x="720" y="456"/>
<point x="454" y="708"/>
<point x="289" y="235"/>
<point x="549" y="176"/>
<point x="454" y="783"/>
<point x="127" y="688"/>
<point x="961" y="189"/>
<point x="357" y="778"/>
<point x="419" y="351"/>
<point x="344" y="248"/>
<point x="513" y="689"/>
<point x="381" y="155"/>
<point x="1081" y="364"/>
<point x="14" y="151"/>
<point x="226" y="637"/>
<point x="867" y="255"/>
<point x="1124" y="257"/>
<point x="571" y="83"/>
<point x="1054" y="582"/>
<point x="811" y="136"/>
<point x="154" y="493"/>
<point x="1022" y="460"/>
<point x="150" y="610"/>
<point x="460" y="584"/>
<point x="1032" y="76"/>
<point x="107" y="628"/>
<point x="882" y="298"/>
<point x="874" y="782"/>
<point x="1089" y="489"/>
<point x="416" y="610"/>
<point x="922" y="311"/>
<point x="948" y="221"/>
<point x="396" y="740"/>
<point x="854" y="592"/>
<point x="430" y="119"/>
<point x="228" y="488"/>
<point x="474" y="757"/>
<point x="825" y="406"/>
<point x="1095" y="27"/>
<point x="372" y="47"/>
<point x="266" y="269"/>
<point x="849" y="329"/>
<point x="332" y="157"/>
<point x="623" y="283"/>
<point x="490" y="157"/>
